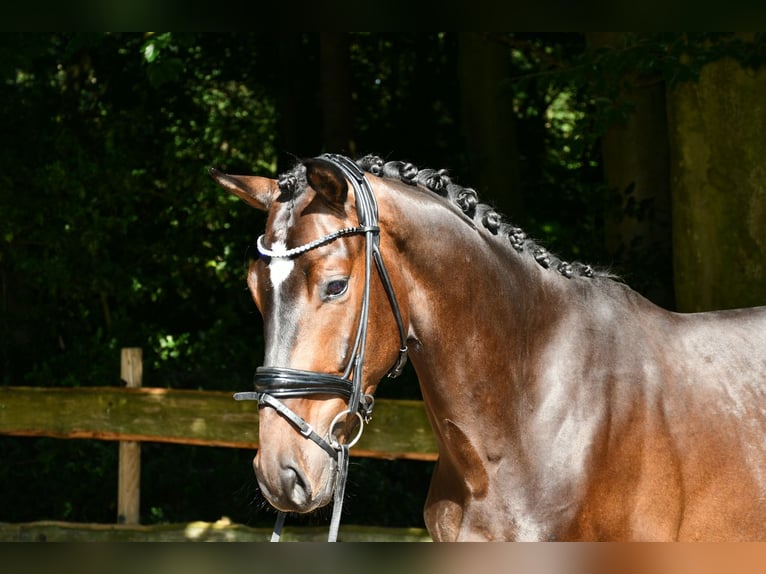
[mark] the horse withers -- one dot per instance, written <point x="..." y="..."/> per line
<point x="565" y="405"/>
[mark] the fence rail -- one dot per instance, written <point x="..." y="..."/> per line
<point x="399" y="430"/>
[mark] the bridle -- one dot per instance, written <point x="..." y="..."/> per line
<point x="275" y="383"/>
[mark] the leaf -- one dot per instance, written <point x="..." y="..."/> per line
<point x="150" y="51"/>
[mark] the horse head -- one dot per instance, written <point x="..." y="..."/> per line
<point x="330" y="333"/>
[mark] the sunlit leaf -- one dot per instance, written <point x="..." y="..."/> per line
<point x="150" y="52"/>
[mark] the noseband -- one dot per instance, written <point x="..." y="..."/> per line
<point x="275" y="383"/>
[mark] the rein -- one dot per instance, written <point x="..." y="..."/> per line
<point x="275" y="383"/>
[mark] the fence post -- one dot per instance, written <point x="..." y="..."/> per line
<point x="129" y="473"/>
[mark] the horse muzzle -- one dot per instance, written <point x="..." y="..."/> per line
<point x="293" y="487"/>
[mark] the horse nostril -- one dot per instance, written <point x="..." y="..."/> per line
<point x="292" y="478"/>
<point x="296" y="485"/>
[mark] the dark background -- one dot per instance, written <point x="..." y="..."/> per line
<point x="113" y="235"/>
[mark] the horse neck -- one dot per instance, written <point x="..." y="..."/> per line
<point x="476" y="307"/>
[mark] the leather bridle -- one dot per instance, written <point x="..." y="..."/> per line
<point x="275" y="383"/>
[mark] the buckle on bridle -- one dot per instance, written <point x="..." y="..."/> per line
<point x="366" y="404"/>
<point x="307" y="430"/>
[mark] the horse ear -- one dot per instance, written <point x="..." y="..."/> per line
<point x="256" y="191"/>
<point x="328" y="180"/>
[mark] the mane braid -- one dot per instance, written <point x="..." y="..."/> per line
<point x="292" y="182"/>
<point x="467" y="200"/>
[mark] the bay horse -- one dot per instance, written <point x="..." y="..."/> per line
<point x="565" y="405"/>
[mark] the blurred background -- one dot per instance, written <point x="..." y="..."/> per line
<point x="643" y="153"/>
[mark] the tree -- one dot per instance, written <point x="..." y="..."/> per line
<point x="297" y="107"/>
<point x="637" y="173"/>
<point x="718" y="179"/>
<point x="489" y="122"/>
<point x="336" y="92"/>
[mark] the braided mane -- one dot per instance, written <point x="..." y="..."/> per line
<point x="466" y="198"/>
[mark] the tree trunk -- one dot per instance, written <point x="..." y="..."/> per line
<point x="636" y="169"/>
<point x="489" y="123"/>
<point x="297" y="99"/>
<point x="718" y="168"/>
<point x="335" y="81"/>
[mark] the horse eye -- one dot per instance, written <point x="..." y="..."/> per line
<point x="336" y="287"/>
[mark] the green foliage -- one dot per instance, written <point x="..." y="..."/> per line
<point x="113" y="235"/>
<point x="113" y="227"/>
<point x="569" y="90"/>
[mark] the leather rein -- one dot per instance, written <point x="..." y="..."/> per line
<point x="275" y="383"/>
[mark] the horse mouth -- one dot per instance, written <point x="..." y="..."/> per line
<point x="291" y="489"/>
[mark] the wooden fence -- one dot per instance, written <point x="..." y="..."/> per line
<point x="131" y="415"/>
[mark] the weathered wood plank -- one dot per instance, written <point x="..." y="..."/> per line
<point x="129" y="470"/>
<point x="220" y="531"/>
<point x="399" y="429"/>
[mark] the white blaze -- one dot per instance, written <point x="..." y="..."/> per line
<point x="279" y="270"/>
<point x="279" y="267"/>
